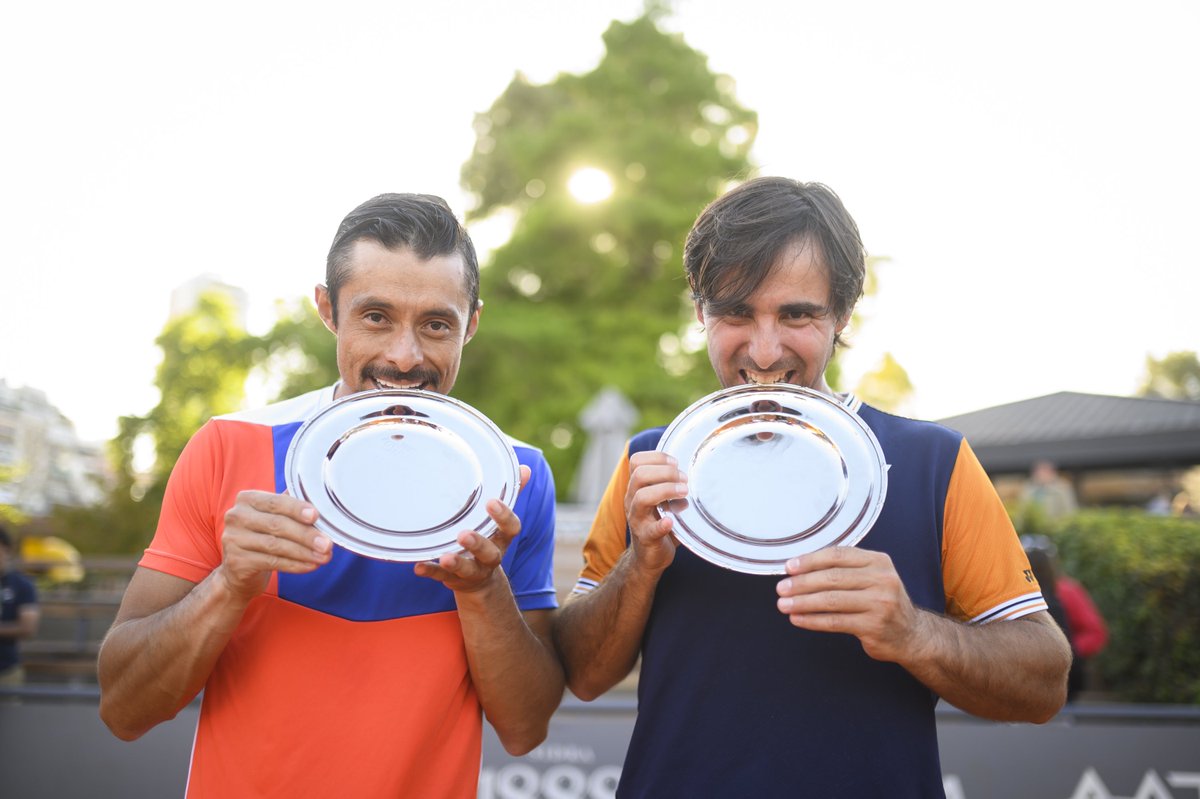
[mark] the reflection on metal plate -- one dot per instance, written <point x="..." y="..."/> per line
<point x="396" y="474"/>
<point x="773" y="472"/>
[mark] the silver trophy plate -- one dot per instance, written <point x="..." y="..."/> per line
<point x="773" y="472"/>
<point x="396" y="474"/>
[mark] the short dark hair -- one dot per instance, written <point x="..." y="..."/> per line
<point x="739" y="237"/>
<point x="422" y="222"/>
<point x="5" y="540"/>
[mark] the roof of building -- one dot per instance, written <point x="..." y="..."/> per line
<point x="1083" y="431"/>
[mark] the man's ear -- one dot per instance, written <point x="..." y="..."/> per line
<point x="325" y="307"/>
<point x="473" y="322"/>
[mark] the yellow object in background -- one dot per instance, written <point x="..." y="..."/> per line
<point x="51" y="558"/>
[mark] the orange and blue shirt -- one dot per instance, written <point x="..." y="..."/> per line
<point x="351" y="680"/>
<point x="735" y="701"/>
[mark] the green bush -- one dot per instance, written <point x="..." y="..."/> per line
<point x="1143" y="572"/>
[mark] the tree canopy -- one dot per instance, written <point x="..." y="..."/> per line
<point x="1174" y="376"/>
<point x="587" y="295"/>
<point x="206" y="358"/>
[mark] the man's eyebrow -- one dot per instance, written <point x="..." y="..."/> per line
<point x="447" y="312"/>
<point x="727" y="308"/>
<point x="370" y="301"/>
<point x="810" y="308"/>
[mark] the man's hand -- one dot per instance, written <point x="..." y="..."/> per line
<point x="855" y="591"/>
<point x="654" y="479"/>
<point x="472" y="569"/>
<point x="267" y="532"/>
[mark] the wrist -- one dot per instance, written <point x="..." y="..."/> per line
<point x="486" y="589"/>
<point x="222" y="593"/>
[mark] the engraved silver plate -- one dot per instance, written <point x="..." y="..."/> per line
<point x="773" y="472"/>
<point x="396" y="474"/>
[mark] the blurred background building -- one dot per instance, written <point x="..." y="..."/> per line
<point x="43" y="462"/>
<point x="1127" y="451"/>
<point x="185" y="297"/>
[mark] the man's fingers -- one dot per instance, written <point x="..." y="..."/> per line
<point x="466" y="570"/>
<point x="472" y="568"/>
<point x="278" y="505"/>
<point x="272" y="532"/>
<point x="273" y="552"/>
<point x="834" y="556"/>
<point x="826" y="580"/>
<point x="487" y="552"/>
<point x="655" y="474"/>
<point x="651" y="485"/>
<point x="431" y="569"/>
<point x="281" y="534"/>
<point x="507" y="525"/>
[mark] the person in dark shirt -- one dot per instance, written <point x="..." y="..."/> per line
<point x="19" y="614"/>
<point x="820" y="681"/>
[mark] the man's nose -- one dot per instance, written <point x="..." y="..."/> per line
<point x="404" y="351"/>
<point x="765" y="348"/>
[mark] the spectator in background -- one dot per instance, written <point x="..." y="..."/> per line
<point x="1071" y="606"/>
<point x="19" y="613"/>
<point x="1160" y="503"/>
<point x="1183" y="506"/>
<point x="1049" y="491"/>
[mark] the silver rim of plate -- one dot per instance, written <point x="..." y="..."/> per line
<point x="396" y="474"/>
<point x="773" y="472"/>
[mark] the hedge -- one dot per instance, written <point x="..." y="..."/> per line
<point x="1143" y="572"/>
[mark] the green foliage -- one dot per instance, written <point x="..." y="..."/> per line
<point x="587" y="296"/>
<point x="300" y="349"/>
<point x="1176" y="376"/>
<point x="1143" y="572"/>
<point x="10" y="515"/>
<point x="887" y="386"/>
<point x="206" y="358"/>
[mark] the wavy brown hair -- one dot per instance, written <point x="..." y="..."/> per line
<point x="738" y="239"/>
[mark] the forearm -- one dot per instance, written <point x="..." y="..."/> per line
<point x="150" y="667"/>
<point x="14" y="630"/>
<point x="513" y="665"/>
<point x="599" y="634"/>
<point x="1005" y="671"/>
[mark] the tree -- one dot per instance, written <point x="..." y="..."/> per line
<point x="1175" y="376"/>
<point x="300" y="349"/>
<point x="10" y="515"/>
<point x="206" y="358"/>
<point x="887" y="386"/>
<point x="583" y="295"/>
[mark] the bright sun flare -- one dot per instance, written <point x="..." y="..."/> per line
<point x="590" y="185"/>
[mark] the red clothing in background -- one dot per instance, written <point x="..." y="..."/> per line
<point x="1089" y="633"/>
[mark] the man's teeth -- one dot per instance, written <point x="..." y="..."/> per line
<point x="381" y="384"/>
<point x="763" y="380"/>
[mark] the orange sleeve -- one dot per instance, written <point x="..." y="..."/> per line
<point x="606" y="540"/>
<point x="186" y="543"/>
<point x="202" y="486"/>
<point x="985" y="572"/>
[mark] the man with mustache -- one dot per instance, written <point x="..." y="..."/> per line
<point x="326" y="673"/>
<point x="822" y="683"/>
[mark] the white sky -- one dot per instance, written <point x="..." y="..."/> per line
<point x="1030" y="168"/>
